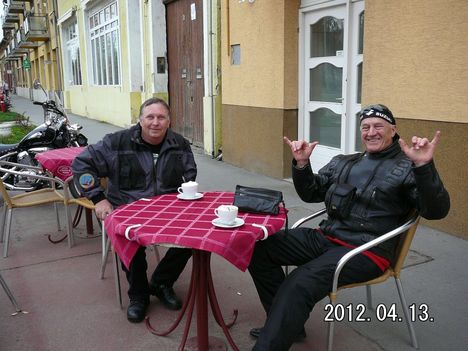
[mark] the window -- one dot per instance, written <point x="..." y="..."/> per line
<point x="73" y="54"/>
<point x="105" y="47"/>
<point x="235" y="54"/>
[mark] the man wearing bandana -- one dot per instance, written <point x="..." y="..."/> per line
<point x="366" y="195"/>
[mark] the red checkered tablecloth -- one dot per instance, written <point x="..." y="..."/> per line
<point x="58" y="161"/>
<point x="167" y="220"/>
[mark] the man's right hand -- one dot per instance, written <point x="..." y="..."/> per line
<point x="103" y="208"/>
<point x="301" y="150"/>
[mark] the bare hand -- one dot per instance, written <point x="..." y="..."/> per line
<point x="103" y="208"/>
<point x="421" y="151"/>
<point x="301" y="150"/>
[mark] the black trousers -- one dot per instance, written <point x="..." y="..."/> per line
<point x="289" y="300"/>
<point x="167" y="271"/>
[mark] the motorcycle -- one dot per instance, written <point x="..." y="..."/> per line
<point x="56" y="132"/>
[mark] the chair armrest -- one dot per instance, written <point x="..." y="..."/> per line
<point x="308" y="218"/>
<point x="20" y="165"/>
<point x="391" y="234"/>
<point x="36" y="176"/>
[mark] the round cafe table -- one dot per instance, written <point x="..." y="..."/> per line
<point x="168" y="220"/>
<point x="58" y="163"/>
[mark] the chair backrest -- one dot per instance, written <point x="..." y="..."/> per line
<point x="6" y="196"/>
<point x="75" y="192"/>
<point x="404" y="244"/>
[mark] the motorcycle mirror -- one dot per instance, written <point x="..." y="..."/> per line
<point x="36" y="84"/>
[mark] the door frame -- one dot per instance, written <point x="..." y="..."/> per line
<point x="211" y="87"/>
<point x="348" y="125"/>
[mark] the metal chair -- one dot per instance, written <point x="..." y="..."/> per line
<point x="11" y="297"/>
<point x="406" y="231"/>
<point x="84" y="203"/>
<point x="116" y="262"/>
<point x="30" y="199"/>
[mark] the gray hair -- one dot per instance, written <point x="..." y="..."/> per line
<point x="152" y="101"/>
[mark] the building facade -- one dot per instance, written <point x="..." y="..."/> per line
<point x="30" y="47"/>
<point x="241" y="74"/>
<point x="105" y="57"/>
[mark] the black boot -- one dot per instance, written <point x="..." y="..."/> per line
<point x="136" y="310"/>
<point x="167" y="296"/>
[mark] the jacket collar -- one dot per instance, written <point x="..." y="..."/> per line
<point x="391" y="151"/>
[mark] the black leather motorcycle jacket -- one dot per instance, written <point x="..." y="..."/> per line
<point x="128" y="163"/>
<point x="387" y="186"/>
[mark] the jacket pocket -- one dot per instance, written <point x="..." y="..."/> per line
<point x="173" y="170"/>
<point x="131" y="174"/>
<point x="339" y="199"/>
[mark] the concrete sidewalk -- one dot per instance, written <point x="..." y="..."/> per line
<point x="70" y="308"/>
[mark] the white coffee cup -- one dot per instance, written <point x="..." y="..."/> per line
<point x="227" y="214"/>
<point x="188" y="189"/>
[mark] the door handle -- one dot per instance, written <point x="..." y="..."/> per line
<point x="199" y="73"/>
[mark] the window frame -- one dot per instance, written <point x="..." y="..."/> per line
<point x="103" y="24"/>
<point x="74" y="74"/>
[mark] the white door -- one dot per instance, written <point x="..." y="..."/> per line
<point x="329" y="79"/>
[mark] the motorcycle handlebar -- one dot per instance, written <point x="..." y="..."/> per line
<point x="37" y="103"/>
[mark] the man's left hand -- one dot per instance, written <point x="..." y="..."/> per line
<point x="422" y="150"/>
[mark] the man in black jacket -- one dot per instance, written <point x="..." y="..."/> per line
<point x="366" y="195"/>
<point x="145" y="160"/>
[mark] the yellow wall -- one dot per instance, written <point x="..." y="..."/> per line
<point x="415" y="57"/>
<point x="259" y="96"/>
<point x="64" y="5"/>
<point x="112" y="104"/>
<point x="259" y="28"/>
<point x="452" y="167"/>
<point x="43" y="59"/>
<point x="115" y="107"/>
<point x="415" y="61"/>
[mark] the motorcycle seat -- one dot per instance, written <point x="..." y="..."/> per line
<point x="6" y="147"/>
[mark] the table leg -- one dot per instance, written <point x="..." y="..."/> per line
<point x="201" y="289"/>
<point x="88" y="218"/>
<point x="89" y="221"/>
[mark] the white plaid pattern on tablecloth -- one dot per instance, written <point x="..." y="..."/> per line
<point x="165" y="219"/>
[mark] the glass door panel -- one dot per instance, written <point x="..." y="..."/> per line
<point x="326" y="83"/>
<point x="326" y="38"/>
<point x="325" y="125"/>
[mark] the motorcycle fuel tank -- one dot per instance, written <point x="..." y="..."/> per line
<point x="39" y="136"/>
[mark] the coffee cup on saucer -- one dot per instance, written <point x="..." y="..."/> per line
<point x="188" y="189"/>
<point x="227" y="214"/>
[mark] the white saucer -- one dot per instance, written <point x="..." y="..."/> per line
<point x="185" y="197"/>
<point x="218" y="223"/>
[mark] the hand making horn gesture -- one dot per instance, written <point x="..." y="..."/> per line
<point x="421" y="151"/>
<point x="301" y="150"/>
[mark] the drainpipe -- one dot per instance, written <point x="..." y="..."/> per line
<point x="31" y="89"/>
<point x="213" y="70"/>
<point x="58" y="50"/>
<point x="210" y="66"/>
